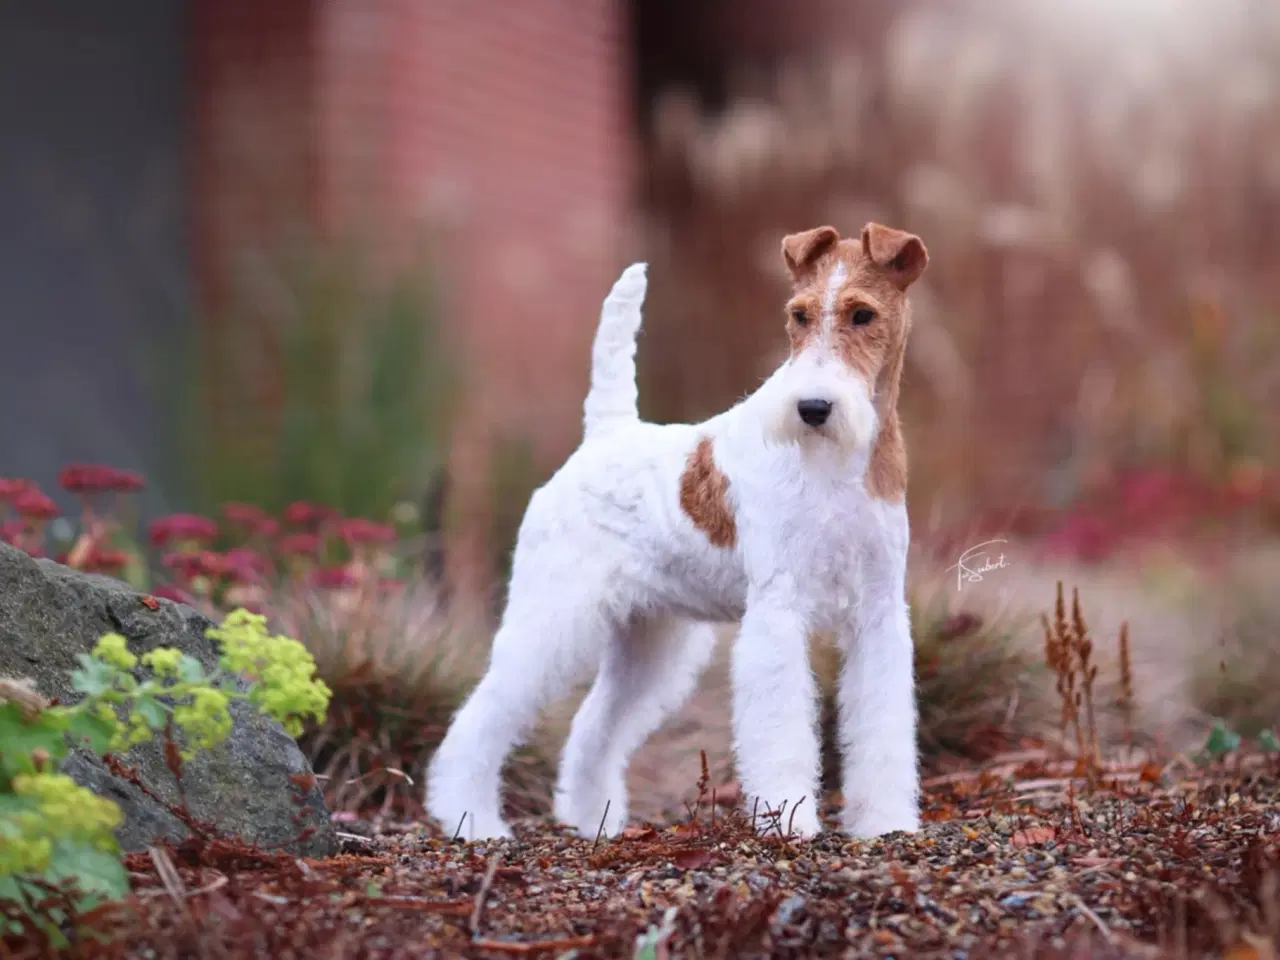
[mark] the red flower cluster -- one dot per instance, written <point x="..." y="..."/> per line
<point x="32" y="502"/>
<point x="308" y="516"/>
<point x="96" y="560"/>
<point x="299" y="545"/>
<point x="181" y="527"/>
<point x="10" y="487"/>
<point x="86" y="479"/>
<point x="242" y="565"/>
<point x="198" y="572"/>
<point x="199" y="563"/>
<point x="33" y="508"/>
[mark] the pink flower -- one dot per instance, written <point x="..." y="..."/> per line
<point x="10" y="487"/>
<point x="11" y="530"/>
<point x="243" y="565"/>
<point x="86" y="478"/>
<point x="333" y="578"/>
<point x="360" y="532"/>
<point x="182" y="526"/>
<point x="308" y="515"/>
<point x="299" y="545"/>
<point x="188" y="566"/>
<point x="33" y="504"/>
<point x="106" y="561"/>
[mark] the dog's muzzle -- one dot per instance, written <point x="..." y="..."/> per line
<point x="814" y="412"/>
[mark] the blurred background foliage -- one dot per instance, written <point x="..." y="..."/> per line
<point x="1100" y="200"/>
<point x="323" y="382"/>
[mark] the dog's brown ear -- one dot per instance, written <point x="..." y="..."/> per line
<point x="900" y="253"/>
<point x="800" y="250"/>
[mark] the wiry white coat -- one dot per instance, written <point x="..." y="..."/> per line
<point x="609" y="573"/>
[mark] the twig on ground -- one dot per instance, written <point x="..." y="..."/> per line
<point x="599" y="830"/>
<point x="477" y="914"/>
<point x="168" y="875"/>
<point x="1093" y="918"/>
<point x="792" y="819"/>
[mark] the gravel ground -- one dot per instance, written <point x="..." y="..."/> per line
<point x="1016" y="861"/>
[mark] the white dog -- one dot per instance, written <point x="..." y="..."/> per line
<point x="786" y="512"/>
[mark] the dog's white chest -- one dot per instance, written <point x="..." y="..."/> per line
<point x="822" y="537"/>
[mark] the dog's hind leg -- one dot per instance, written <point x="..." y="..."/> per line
<point x="645" y="676"/>
<point x="539" y="652"/>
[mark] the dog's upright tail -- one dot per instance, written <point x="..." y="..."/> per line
<point x="612" y="397"/>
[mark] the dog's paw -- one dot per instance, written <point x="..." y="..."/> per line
<point x="593" y="816"/>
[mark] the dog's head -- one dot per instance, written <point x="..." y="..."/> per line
<point x="848" y="321"/>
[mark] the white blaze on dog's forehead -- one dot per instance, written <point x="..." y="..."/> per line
<point x="834" y="283"/>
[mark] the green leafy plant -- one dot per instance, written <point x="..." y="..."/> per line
<point x="1220" y="741"/>
<point x="58" y="851"/>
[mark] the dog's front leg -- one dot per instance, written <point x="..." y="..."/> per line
<point x="775" y="713"/>
<point x="877" y="705"/>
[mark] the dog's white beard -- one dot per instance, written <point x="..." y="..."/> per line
<point x="851" y="426"/>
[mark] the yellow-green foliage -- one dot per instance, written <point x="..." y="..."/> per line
<point x="55" y="834"/>
<point x="286" y="687"/>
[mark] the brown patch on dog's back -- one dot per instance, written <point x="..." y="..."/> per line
<point x="704" y="496"/>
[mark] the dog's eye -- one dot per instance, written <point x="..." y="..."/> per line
<point x="800" y="317"/>
<point x="862" y="316"/>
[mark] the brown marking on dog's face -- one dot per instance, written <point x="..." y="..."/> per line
<point x="704" y="496"/>
<point x="851" y="297"/>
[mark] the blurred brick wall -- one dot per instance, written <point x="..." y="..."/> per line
<point x="500" y="131"/>
<point x="252" y="150"/>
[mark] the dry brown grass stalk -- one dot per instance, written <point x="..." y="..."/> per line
<point x="1125" y="701"/>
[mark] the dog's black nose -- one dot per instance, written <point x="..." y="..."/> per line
<point x="814" y="412"/>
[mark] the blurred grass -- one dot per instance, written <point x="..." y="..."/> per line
<point x="322" y="380"/>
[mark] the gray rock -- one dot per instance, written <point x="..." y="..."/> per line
<point x="790" y="910"/>
<point x="50" y="613"/>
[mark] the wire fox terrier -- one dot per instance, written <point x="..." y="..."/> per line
<point x="786" y="512"/>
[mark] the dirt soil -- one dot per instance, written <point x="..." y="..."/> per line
<point x="1019" y="859"/>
